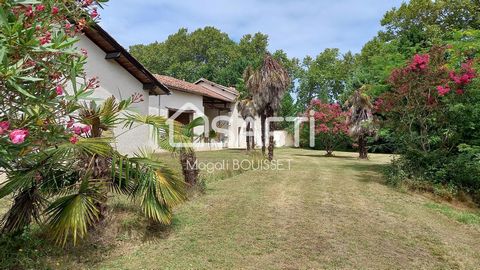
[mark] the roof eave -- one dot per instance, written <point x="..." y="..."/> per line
<point x="157" y="89"/>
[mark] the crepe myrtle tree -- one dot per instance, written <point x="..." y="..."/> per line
<point x="54" y="149"/>
<point x="331" y="127"/>
<point x="419" y="106"/>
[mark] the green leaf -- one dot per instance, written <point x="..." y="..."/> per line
<point x="21" y="90"/>
<point x="71" y="215"/>
<point x="3" y="51"/>
<point x="30" y="79"/>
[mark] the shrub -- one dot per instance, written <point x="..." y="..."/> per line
<point x="433" y="114"/>
<point x="60" y="168"/>
<point x="331" y="128"/>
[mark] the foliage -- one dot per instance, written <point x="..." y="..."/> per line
<point x="324" y="77"/>
<point x="60" y="165"/>
<point x="267" y="85"/>
<point x="432" y="112"/>
<point x="423" y="23"/>
<point x="23" y="251"/>
<point x="360" y="119"/>
<point x="331" y="128"/>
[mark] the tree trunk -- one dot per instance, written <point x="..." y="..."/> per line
<point x="252" y="138"/>
<point x="100" y="169"/>
<point x="188" y="160"/>
<point x="362" y="147"/>
<point x="252" y="141"/>
<point x="248" y="136"/>
<point x="271" y="128"/>
<point x="263" y="119"/>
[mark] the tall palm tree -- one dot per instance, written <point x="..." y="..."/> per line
<point x="78" y="177"/>
<point x="360" y="120"/>
<point x="246" y="108"/>
<point x="267" y="85"/>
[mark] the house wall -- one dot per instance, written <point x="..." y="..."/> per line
<point x="237" y="133"/>
<point x="116" y="81"/>
<point x="158" y="105"/>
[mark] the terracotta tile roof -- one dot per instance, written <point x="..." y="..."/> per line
<point x="181" y="85"/>
<point x="228" y="89"/>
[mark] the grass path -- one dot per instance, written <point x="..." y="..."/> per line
<point x="323" y="213"/>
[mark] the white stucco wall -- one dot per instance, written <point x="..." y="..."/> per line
<point x="116" y="81"/>
<point x="178" y="100"/>
<point x="237" y="139"/>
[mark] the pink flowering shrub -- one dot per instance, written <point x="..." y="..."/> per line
<point x="331" y="127"/>
<point x="40" y="63"/>
<point x="60" y="168"/>
<point x="432" y="111"/>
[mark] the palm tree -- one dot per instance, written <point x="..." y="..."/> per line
<point x="183" y="134"/>
<point x="360" y="120"/>
<point x="79" y="177"/>
<point x="267" y="85"/>
<point x="246" y="108"/>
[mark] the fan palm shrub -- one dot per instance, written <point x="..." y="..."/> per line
<point x="267" y="85"/>
<point x="56" y="145"/>
<point x="179" y="140"/>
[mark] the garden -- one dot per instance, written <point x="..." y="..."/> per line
<point x="386" y="175"/>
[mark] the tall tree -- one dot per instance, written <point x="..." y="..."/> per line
<point x="246" y="109"/>
<point x="206" y="52"/>
<point x="267" y="85"/>
<point x="360" y="120"/>
<point x="324" y="77"/>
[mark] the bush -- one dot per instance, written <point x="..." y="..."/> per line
<point x="432" y="112"/>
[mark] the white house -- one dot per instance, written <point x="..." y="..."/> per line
<point x="121" y="75"/>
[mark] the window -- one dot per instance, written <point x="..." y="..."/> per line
<point x="184" y="117"/>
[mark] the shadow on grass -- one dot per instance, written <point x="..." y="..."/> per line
<point x="367" y="172"/>
<point x="324" y="156"/>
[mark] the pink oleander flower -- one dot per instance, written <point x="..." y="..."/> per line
<point x="40" y="8"/>
<point x="55" y="10"/>
<point x="46" y="39"/>
<point x="77" y="130"/>
<point x="29" y="11"/>
<point x="94" y="13"/>
<point x="18" y="136"/>
<point x="4" y="125"/>
<point x="59" y="90"/>
<point x="70" y="123"/>
<point x="74" y="139"/>
<point x="460" y="92"/>
<point x="86" y="129"/>
<point x="443" y="90"/>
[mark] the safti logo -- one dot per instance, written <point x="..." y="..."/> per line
<point x="218" y="125"/>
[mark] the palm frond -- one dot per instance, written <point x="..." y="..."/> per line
<point x="157" y="187"/>
<point x="268" y="84"/>
<point x="17" y="180"/>
<point x="71" y="215"/>
<point x="27" y="206"/>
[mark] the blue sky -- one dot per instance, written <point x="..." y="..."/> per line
<point x="302" y="27"/>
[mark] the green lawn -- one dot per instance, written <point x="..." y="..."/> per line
<point x="322" y="213"/>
